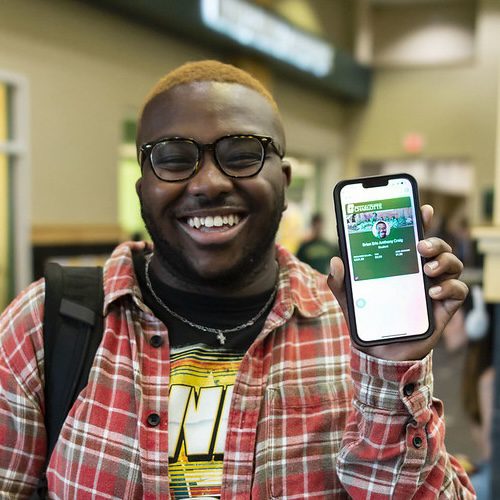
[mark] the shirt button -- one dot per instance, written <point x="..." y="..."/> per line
<point x="153" y="419"/>
<point x="417" y="441"/>
<point x="156" y="341"/>
<point x="408" y="389"/>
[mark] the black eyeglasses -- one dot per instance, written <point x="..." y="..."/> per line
<point x="178" y="159"/>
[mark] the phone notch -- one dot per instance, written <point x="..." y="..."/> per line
<point x="371" y="182"/>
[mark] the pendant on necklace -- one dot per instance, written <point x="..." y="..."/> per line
<point x="221" y="338"/>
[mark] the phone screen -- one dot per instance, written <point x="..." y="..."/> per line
<point x="388" y="291"/>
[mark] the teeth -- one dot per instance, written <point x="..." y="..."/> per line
<point x="214" y="221"/>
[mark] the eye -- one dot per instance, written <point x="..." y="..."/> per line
<point x="242" y="158"/>
<point x="174" y="156"/>
<point x="173" y="163"/>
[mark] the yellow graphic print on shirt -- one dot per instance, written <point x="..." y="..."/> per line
<point x="201" y="387"/>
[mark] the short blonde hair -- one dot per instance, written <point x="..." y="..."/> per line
<point x="207" y="71"/>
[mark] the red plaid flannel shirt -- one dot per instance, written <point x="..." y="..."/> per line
<point x="310" y="416"/>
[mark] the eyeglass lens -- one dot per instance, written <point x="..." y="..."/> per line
<point x="237" y="156"/>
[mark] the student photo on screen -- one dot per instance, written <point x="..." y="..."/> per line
<point x="381" y="229"/>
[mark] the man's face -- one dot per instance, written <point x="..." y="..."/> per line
<point x="184" y="218"/>
<point x="381" y="230"/>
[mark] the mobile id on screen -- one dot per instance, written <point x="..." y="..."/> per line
<point x="378" y="235"/>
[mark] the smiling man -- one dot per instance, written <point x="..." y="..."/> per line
<point x="226" y="368"/>
<point x="212" y="151"/>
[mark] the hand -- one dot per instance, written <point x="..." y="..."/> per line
<point x="447" y="293"/>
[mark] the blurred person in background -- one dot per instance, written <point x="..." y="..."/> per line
<point x="471" y="330"/>
<point x="457" y="234"/>
<point x="478" y="385"/>
<point x="226" y="369"/>
<point x="316" y="250"/>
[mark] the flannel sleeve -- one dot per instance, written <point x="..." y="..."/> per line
<point x="393" y="446"/>
<point x="22" y="430"/>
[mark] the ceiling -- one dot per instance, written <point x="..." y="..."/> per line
<point x="346" y="78"/>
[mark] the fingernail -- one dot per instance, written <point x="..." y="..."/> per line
<point x="435" y="290"/>
<point x="427" y="243"/>
<point x="432" y="265"/>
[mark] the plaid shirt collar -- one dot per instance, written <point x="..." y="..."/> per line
<point x="294" y="292"/>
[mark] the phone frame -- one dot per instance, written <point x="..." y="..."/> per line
<point x="374" y="181"/>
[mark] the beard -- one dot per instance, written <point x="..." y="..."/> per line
<point x="253" y="257"/>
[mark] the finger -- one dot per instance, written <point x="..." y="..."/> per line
<point x="445" y="265"/>
<point x="433" y="246"/>
<point x="451" y="289"/>
<point x="444" y="310"/>
<point x="427" y="214"/>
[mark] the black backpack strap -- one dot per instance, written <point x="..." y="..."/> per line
<point x="72" y="331"/>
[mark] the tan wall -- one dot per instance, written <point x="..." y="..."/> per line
<point x="423" y="32"/>
<point x="453" y="107"/>
<point x="88" y="71"/>
<point x="330" y="19"/>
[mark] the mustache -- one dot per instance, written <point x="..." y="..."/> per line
<point x="203" y="202"/>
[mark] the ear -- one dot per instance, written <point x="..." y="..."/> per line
<point x="138" y="186"/>
<point x="286" y="170"/>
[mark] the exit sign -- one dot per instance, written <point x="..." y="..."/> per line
<point x="413" y="142"/>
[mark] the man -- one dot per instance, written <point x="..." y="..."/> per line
<point x="381" y="229"/>
<point x="317" y="251"/>
<point x="226" y="366"/>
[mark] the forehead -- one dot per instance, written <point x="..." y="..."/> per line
<point x="208" y="110"/>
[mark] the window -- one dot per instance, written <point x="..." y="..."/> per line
<point x="15" y="258"/>
<point x="5" y="238"/>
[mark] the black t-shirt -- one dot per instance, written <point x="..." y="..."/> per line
<point x="211" y="311"/>
<point x="200" y="366"/>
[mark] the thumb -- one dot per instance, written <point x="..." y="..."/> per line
<point x="427" y="212"/>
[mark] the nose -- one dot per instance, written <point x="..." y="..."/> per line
<point x="209" y="181"/>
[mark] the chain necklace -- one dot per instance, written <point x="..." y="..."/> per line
<point x="219" y="331"/>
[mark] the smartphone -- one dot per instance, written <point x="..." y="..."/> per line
<point x="379" y="225"/>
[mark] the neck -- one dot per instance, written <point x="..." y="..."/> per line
<point x="263" y="278"/>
